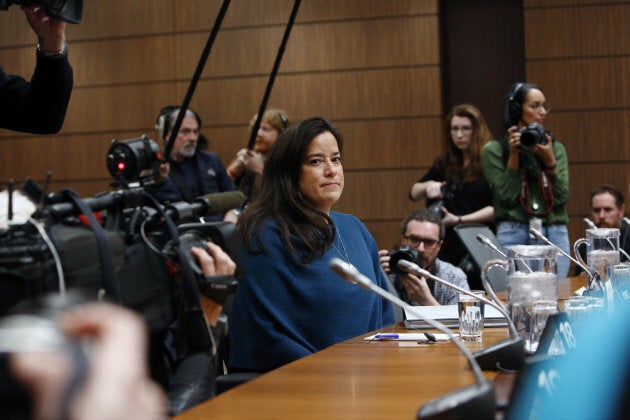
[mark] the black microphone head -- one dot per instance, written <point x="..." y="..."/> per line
<point x="475" y="401"/>
<point x="218" y="203"/>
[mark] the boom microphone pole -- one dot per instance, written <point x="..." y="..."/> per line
<point x="195" y="79"/>
<point x="272" y="75"/>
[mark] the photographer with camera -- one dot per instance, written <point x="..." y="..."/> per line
<point x="39" y="106"/>
<point x="454" y="186"/>
<point x="528" y="172"/>
<point x="422" y="233"/>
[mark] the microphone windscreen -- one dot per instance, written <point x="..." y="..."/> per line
<point x="218" y="203"/>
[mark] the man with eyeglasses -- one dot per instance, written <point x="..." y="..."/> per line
<point x="424" y="231"/>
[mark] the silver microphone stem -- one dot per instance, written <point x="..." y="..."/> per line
<point x="412" y="268"/>
<point x="351" y="274"/>
<point x="590" y="223"/>
<point x="541" y="237"/>
<point x="488" y="243"/>
<point x="486" y="284"/>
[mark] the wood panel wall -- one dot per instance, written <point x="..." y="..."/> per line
<point x="371" y="66"/>
<point x="578" y="51"/>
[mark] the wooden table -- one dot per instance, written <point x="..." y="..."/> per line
<point x="355" y="379"/>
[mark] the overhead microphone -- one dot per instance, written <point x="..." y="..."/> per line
<point x="506" y="354"/>
<point x="476" y="401"/>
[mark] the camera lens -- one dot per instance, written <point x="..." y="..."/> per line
<point x="405" y="252"/>
<point x="528" y="139"/>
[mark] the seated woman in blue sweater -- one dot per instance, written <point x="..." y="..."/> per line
<point x="289" y="303"/>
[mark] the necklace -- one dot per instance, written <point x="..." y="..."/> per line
<point x="347" y="259"/>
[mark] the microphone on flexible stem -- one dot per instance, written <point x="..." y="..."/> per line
<point x="488" y="243"/>
<point x="590" y="223"/>
<point x="627" y="220"/>
<point x="541" y="237"/>
<point x="476" y="401"/>
<point x="486" y="285"/>
<point x="484" y="240"/>
<point x="506" y="354"/>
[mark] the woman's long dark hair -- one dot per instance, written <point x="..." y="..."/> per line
<point x="513" y="112"/>
<point x="308" y="232"/>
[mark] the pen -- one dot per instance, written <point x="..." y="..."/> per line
<point x="387" y="336"/>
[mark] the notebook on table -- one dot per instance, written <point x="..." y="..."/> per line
<point x="447" y="315"/>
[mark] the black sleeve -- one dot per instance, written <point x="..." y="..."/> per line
<point x="38" y="106"/>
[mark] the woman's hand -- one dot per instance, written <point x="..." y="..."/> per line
<point x="434" y="189"/>
<point x="545" y="152"/>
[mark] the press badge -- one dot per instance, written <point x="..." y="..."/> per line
<point x="535" y="223"/>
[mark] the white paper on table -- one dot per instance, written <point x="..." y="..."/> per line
<point x="447" y="315"/>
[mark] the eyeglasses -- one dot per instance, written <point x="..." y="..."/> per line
<point x="415" y="241"/>
<point x="463" y="129"/>
<point x="537" y="107"/>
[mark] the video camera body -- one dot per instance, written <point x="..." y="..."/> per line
<point x="142" y="236"/>
<point x="125" y="245"/>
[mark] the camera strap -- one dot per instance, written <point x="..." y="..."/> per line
<point x="104" y="249"/>
<point x="547" y="194"/>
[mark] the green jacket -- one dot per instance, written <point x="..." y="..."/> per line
<point x="506" y="184"/>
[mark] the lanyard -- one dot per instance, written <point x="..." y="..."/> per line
<point x="547" y="194"/>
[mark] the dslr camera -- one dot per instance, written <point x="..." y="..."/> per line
<point x="448" y="192"/>
<point x="404" y="252"/>
<point x="532" y="135"/>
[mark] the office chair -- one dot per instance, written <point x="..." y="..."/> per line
<point x="468" y="232"/>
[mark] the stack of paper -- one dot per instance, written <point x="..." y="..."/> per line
<point x="447" y="315"/>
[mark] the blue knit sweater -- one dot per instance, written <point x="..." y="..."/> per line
<point x="283" y="310"/>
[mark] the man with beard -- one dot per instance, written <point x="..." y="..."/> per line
<point x="190" y="173"/>
<point x="424" y="231"/>
<point x="607" y="212"/>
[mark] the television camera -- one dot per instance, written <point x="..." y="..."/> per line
<point x="60" y="247"/>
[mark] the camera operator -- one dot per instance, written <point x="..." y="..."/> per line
<point x="117" y="383"/>
<point x="39" y="105"/>
<point x="528" y="172"/>
<point x="455" y="187"/>
<point x="190" y="172"/>
<point x="423" y="231"/>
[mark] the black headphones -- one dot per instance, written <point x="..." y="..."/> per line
<point x="166" y="115"/>
<point x="515" y="108"/>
